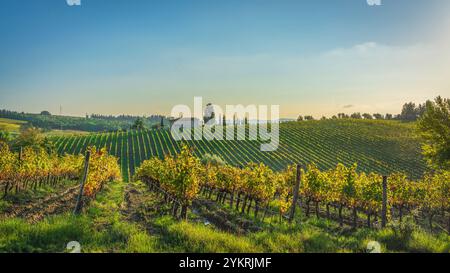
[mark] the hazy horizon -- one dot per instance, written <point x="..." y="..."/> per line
<point x="142" y="57"/>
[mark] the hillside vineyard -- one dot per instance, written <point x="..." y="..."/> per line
<point x="376" y="146"/>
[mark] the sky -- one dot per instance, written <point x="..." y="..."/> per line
<point x="142" y="57"/>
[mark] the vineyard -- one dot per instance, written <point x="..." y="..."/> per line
<point x="256" y="187"/>
<point x="249" y="207"/>
<point x="376" y="146"/>
<point x="30" y="169"/>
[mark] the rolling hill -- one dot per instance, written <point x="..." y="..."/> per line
<point x="378" y="146"/>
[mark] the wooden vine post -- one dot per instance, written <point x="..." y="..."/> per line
<point x="384" y="203"/>
<point x="183" y="213"/>
<point x="296" y="189"/>
<point x="18" y="186"/>
<point x="79" y="205"/>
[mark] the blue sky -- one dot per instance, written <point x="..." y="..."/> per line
<point x="315" y="57"/>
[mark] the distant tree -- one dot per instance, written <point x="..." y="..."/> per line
<point x="300" y="118"/>
<point x="409" y="112"/>
<point x="309" y="118"/>
<point x="224" y="121"/>
<point x="434" y="127"/>
<point x="334" y="117"/>
<point x="388" y="116"/>
<point x="162" y="122"/>
<point x="323" y="118"/>
<point x="32" y="137"/>
<point x="342" y="116"/>
<point x="378" y="116"/>
<point x="367" y="116"/>
<point x="209" y="113"/>
<point x="45" y="113"/>
<point x="421" y="108"/>
<point x="138" y="124"/>
<point x="356" y="115"/>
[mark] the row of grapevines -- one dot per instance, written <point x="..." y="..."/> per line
<point x="32" y="168"/>
<point x="102" y="168"/>
<point x="256" y="185"/>
<point x="179" y="176"/>
<point x="344" y="187"/>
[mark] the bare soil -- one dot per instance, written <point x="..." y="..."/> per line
<point x="55" y="203"/>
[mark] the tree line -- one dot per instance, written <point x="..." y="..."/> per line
<point x="93" y="123"/>
<point x="410" y="112"/>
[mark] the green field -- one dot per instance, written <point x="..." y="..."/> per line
<point x="379" y="146"/>
<point x="11" y="125"/>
